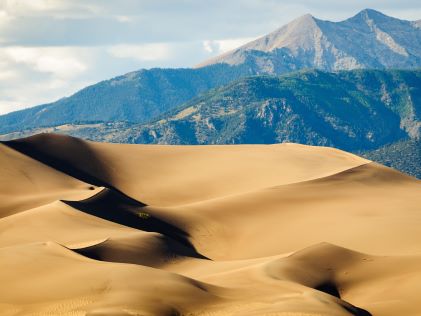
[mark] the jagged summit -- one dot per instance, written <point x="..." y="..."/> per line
<point x="302" y="21"/>
<point x="370" y="12"/>
<point x="297" y="32"/>
<point x="371" y="16"/>
<point x="370" y="39"/>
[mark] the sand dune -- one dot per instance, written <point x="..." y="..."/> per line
<point x="166" y="175"/>
<point x="26" y="183"/>
<point x="106" y="229"/>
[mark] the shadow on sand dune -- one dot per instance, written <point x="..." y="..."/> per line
<point x="119" y="208"/>
<point x="44" y="148"/>
<point x="110" y="204"/>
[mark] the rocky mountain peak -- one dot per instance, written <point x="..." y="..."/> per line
<point x="370" y="18"/>
<point x="369" y="39"/>
<point x="299" y="33"/>
<point x="369" y="13"/>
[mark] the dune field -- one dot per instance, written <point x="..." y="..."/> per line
<point x="115" y="229"/>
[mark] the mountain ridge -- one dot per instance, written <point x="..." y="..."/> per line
<point x="323" y="44"/>
<point x="135" y="97"/>
<point x="362" y="109"/>
<point x="143" y="95"/>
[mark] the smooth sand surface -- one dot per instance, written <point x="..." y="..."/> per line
<point x="291" y="230"/>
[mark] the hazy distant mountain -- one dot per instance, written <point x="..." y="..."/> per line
<point x="403" y="155"/>
<point x="368" y="40"/>
<point x="351" y="110"/>
<point x="136" y="97"/>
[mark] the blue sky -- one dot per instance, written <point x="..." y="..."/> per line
<point x="52" y="48"/>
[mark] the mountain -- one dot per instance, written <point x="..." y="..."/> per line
<point x="370" y="39"/>
<point x="403" y="155"/>
<point x="137" y="97"/>
<point x="375" y="113"/>
<point x="351" y="110"/>
<point x="367" y="40"/>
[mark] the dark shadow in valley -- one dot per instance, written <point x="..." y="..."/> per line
<point x="114" y="206"/>
<point x="115" y="250"/>
<point x="354" y="310"/>
<point x="77" y="159"/>
<point x="44" y="148"/>
<point x="331" y="289"/>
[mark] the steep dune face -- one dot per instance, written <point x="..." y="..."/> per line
<point x="101" y="229"/>
<point x="360" y="208"/>
<point x="26" y="183"/>
<point x="173" y="175"/>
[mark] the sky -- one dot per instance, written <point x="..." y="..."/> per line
<point x="50" y="49"/>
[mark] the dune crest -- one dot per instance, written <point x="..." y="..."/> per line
<point x="107" y="229"/>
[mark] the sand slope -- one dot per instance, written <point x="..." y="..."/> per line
<point x="26" y="183"/>
<point x="106" y="229"/>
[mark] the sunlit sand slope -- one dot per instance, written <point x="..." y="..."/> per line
<point x="107" y="229"/>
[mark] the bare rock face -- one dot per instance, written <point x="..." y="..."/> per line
<point x="370" y="39"/>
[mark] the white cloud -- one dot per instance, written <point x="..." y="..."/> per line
<point x="9" y="106"/>
<point x="225" y="45"/>
<point x="124" y="18"/>
<point x="210" y="46"/>
<point x="35" y="75"/>
<point x="60" y="8"/>
<point x="5" y="18"/>
<point x="146" y="52"/>
<point x="229" y="44"/>
<point x="8" y="75"/>
<point x="61" y="66"/>
<point x="29" y="7"/>
<point x="3" y="15"/>
<point x="58" y="61"/>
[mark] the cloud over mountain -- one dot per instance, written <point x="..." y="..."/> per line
<point x="107" y="38"/>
